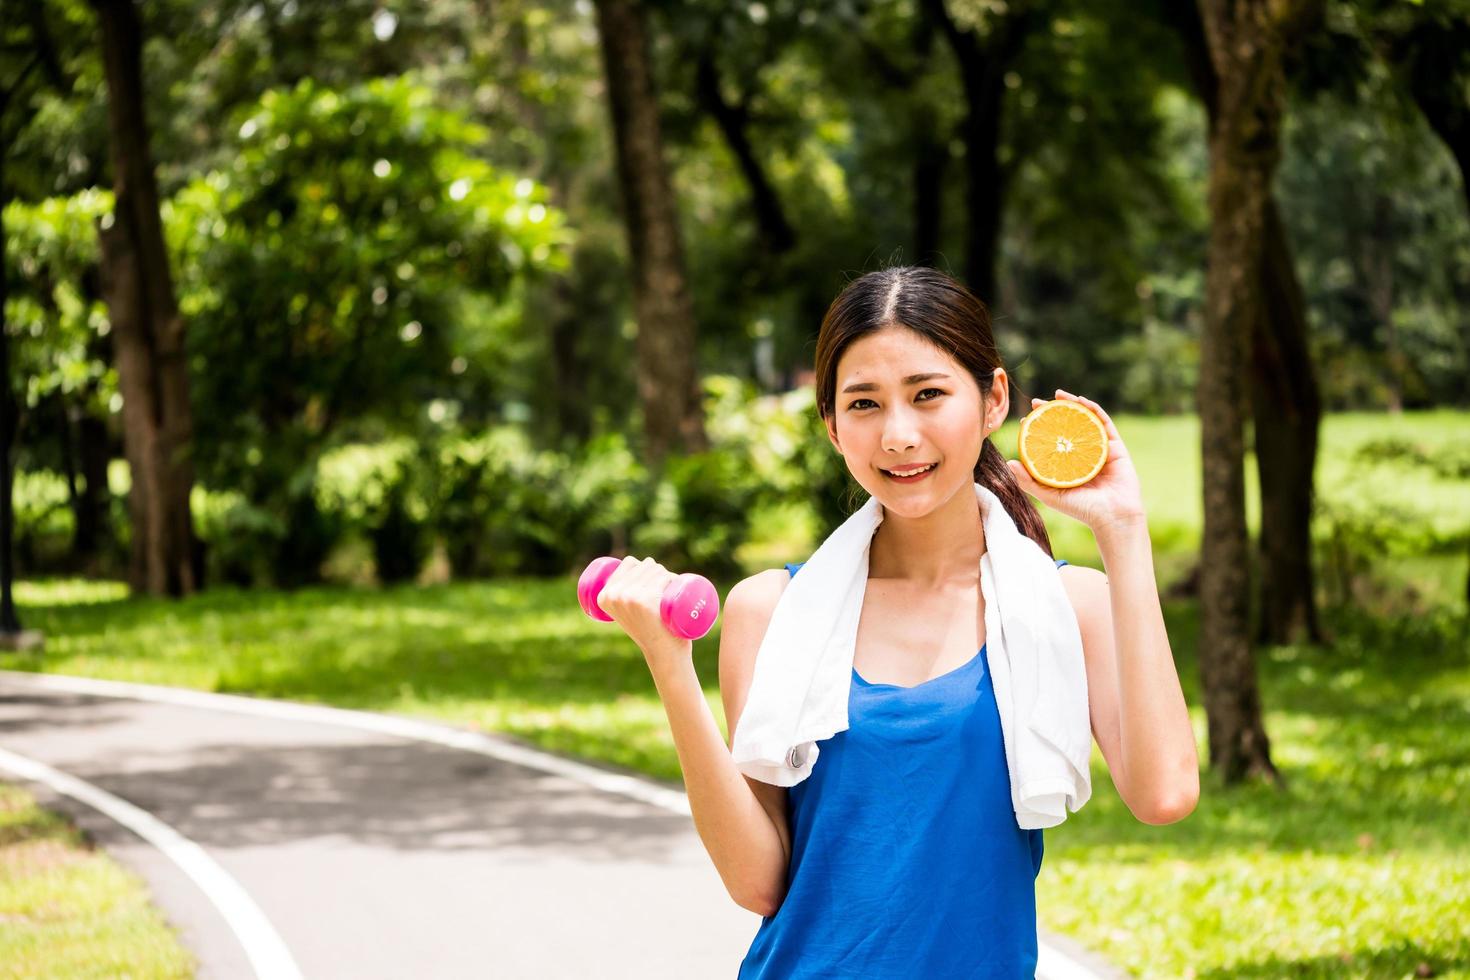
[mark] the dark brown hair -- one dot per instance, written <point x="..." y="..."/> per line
<point x="941" y="310"/>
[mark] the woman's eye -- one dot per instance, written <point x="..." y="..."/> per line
<point x="859" y="403"/>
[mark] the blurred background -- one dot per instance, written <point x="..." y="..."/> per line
<point x="339" y="337"/>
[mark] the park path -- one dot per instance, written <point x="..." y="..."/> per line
<point x="347" y="844"/>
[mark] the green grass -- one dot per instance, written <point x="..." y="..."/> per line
<point x="1359" y="868"/>
<point x="67" y="910"/>
<point x="1363" y="855"/>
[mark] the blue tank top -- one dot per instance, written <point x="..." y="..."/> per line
<point x="906" y="860"/>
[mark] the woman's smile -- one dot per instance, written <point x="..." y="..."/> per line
<point x="914" y="478"/>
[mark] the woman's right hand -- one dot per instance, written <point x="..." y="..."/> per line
<point x="633" y="597"/>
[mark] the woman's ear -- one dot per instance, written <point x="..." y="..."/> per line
<point x="998" y="405"/>
<point x="832" y="434"/>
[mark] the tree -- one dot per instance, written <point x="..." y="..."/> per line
<point x="985" y="44"/>
<point x="148" y="328"/>
<point x="1427" y="44"/>
<point x="37" y="66"/>
<point x="1285" y="397"/>
<point x="1248" y="44"/>
<point x="668" y="377"/>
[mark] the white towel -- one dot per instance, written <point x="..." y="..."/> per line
<point x="803" y="670"/>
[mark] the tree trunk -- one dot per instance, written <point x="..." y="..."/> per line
<point x="93" y="515"/>
<point x="568" y="311"/>
<point x="1285" y="399"/>
<point x="984" y="181"/>
<point x="931" y="158"/>
<point x="1287" y="408"/>
<point x="668" y="377"/>
<point x="983" y="63"/>
<point x="776" y="233"/>
<point x="929" y="141"/>
<point x="148" y="330"/>
<point x="1237" y="737"/>
<point x="1246" y="45"/>
<point x="9" y="413"/>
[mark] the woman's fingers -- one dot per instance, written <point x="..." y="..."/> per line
<point x="1095" y="407"/>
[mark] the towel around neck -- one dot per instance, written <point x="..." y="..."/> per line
<point x="803" y="670"/>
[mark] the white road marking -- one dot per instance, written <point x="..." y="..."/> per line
<point x="264" y="947"/>
<point x="1052" y="963"/>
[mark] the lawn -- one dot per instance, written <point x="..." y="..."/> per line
<point x="67" y="910"/>
<point x="1359" y="868"/>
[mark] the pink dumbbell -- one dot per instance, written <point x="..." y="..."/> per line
<point x="689" y="608"/>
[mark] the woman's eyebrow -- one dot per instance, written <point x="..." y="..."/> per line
<point x="912" y="379"/>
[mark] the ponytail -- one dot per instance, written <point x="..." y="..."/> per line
<point x="992" y="473"/>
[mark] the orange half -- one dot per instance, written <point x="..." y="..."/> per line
<point x="1063" y="444"/>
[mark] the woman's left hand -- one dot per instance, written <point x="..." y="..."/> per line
<point x="1112" y="497"/>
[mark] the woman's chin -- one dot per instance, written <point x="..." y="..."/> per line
<point x="916" y="499"/>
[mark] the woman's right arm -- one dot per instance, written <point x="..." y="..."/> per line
<point x="742" y="821"/>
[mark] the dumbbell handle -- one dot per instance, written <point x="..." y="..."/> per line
<point x="689" y="608"/>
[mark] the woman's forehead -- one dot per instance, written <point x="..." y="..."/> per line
<point x="894" y="352"/>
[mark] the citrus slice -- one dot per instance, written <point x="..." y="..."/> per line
<point x="1063" y="444"/>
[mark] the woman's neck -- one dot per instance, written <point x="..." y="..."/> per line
<point x="938" y="550"/>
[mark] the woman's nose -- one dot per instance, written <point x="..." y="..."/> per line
<point x="898" y="433"/>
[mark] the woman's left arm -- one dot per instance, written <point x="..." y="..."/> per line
<point x="1139" y="716"/>
<point x="1132" y="680"/>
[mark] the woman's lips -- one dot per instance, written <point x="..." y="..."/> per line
<point x="909" y="479"/>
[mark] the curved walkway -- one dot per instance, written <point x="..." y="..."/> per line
<point x="379" y="846"/>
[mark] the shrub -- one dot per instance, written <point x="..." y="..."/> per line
<point x="396" y="528"/>
<point x="237" y="536"/>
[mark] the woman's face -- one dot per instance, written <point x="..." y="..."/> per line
<point x="895" y="424"/>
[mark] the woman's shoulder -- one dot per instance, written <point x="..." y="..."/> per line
<point x="760" y="591"/>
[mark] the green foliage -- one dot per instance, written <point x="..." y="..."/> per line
<point x="1356" y="536"/>
<point x="54" y="317"/>
<point x="325" y="274"/>
<point x="43" y="521"/>
<point x="238" y="537"/>
<point x="764" y="452"/>
<point x="497" y="502"/>
<point x="608" y="495"/>
<point x="1450" y="462"/>
<point x="1376" y="211"/>
<point x="353" y="219"/>
<point x="309" y="535"/>
<point x="1157" y="369"/>
<point x="788" y="449"/>
<point x="700" y="512"/>
<point x="351" y="261"/>
<point x="399" y="541"/>
<point x="1357" y="539"/>
<point x="462" y="485"/>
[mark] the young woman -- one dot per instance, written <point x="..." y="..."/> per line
<point x="900" y="855"/>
